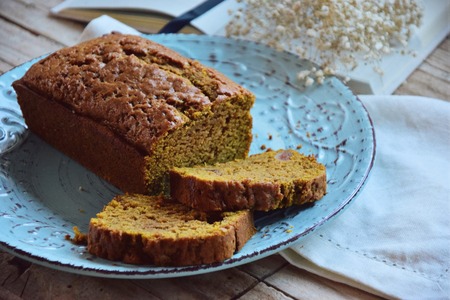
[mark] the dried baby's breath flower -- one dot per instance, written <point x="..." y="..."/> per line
<point x="335" y="34"/>
<point x="308" y="81"/>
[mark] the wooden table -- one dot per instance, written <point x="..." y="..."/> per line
<point x="27" y="31"/>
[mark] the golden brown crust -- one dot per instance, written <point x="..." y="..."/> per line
<point x="178" y="236"/>
<point x="267" y="181"/>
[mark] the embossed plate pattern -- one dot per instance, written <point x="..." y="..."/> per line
<point x="43" y="194"/>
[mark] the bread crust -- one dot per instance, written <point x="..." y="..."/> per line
<point x="84" y="140"/>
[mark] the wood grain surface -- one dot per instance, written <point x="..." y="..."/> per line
<point x="27" y="31"/>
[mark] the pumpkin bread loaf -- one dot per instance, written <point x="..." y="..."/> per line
<point x="141" y="229"/>
<point x="266" y="181"/>
<point x="129" y="109"/>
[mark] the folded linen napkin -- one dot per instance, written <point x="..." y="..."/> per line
<point x="394" y="240"/>
<point x="103" y="25"/>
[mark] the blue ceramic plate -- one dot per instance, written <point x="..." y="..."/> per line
<point x="43" y="194"/>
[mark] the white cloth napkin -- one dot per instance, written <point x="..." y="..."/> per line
<point x="394" y="240"/>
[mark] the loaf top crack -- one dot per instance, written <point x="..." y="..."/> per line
<point x="139" y="89"/>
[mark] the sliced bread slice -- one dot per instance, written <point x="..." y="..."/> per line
<point x="265" y="181"/>
<point x="154" y="230"/>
